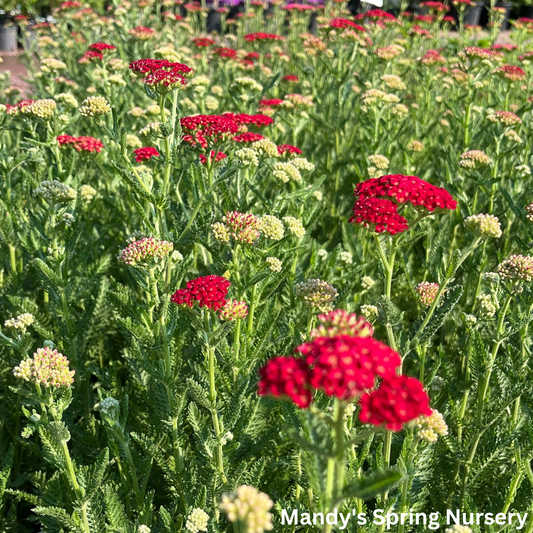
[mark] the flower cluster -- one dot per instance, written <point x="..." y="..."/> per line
<point x="510" y="73"/>
<point x="208" y="291"/>
<point x="145" y="153"/>
<point x="474" y="159"/>
<point x="398" y="400"/>
<point x="21" y="322"/>
<point x="429" y="428"/>
<point x="145" y="250"/>
<point x="317" y="294"/>
<point x="197" y="521"/>
<point x="81" y="144"/>
<point x="244" y="228"/>
<point x="250" y="508"/>
<point x="504" y="117"/>
<point x="427" y="292"/>
<point x="47" y="367"/>
<point x="272" y="227"/>
<point x="516" y="269"/>
<point x="484" y="225"/>
<point x="55" y="192"/>
<point x="340" y="322"/>
<point x="94" y="106"/>
<point x="233" y="310"/>
<point x="43" y="109"/>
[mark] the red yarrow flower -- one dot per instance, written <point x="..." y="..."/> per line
<point x="102" y="47"/>
<point x="380" y="215"/>
<point x="203" y="42"/>
<point x="145" y="153"/>
<point x="340" y="23"/>
<point x="398" y="400"/>
<point x="285" y="149"/>
<point x="81" y="144"/>
<point x="228" y="53"/>
<point x="208" y="291"/>
<point x="286" y="377"/>
<point x="290" y="78"/>
<point x="273" y="102"/>
<point x="252" y="37"/>
<point x="91" y="55"/>
<point x="344" y="366"/>
<point x="248" y="137"/>
<point x="406" y="189"/>
<point x="510" y="72"/>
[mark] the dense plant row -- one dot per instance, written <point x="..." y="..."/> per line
<point x="263" y="271"/>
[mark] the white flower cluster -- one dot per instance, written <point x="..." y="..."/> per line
<point x="250" y="508"/>
<point x="54" y="192"/>
<point x="21" y="322"/>
<point x="197" y="521"/>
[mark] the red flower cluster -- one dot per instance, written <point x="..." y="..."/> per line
<point x="435" y="6"/>
<point x="208" y="291"/>
<point x="375" y="14"/>
<point x="145" y="153"/>
<point x="248" y="137"/>
<point x="288" y="149"/>
<point x="377" y="200"/>
<point x="85" y="144"/>
<point x="432" y="57"/>
<point x="219" y="156"/>
<point x="208" y="130"/>
<point x="91" y="55"/>
<point x="481" y="53"/>
<point x="286" y="377"/>
<point x="381" y="213"/>
<point x="102" y="47"/>
<point x="252" y="56"/>
<point x="69" y="5"/>
<point x="252" y="37"/>
<point x="398" y="400"/>
<point x="406" y="189"/>
<point x="225" y="52"/>
<point x="345" y="366"/>
<point x="298" y="7"/>
<point x="161" y="73"/>
<point x="511" y="72"/>
<point x="424" y="18"/>
<point x="202" y="42"/>
<point x="340" y="23"/>
<point x="290" y="78"/>
<point x="271" y="103"/>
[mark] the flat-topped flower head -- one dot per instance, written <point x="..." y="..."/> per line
<point x="406" y="189"/>
<point x="144" y="251"/>
<point x="94" y="106"/>
<point x="274" y="264"/>
<point x="432" y="57"/>
<point x="145" y="153"/>
<point x="510" y="73"/>
<point x="288" y="150"/>
<point x="398" y="400"/>
<point x="345" y="366"/>
<point x="272" y="227"/>
<point x="55" y="192"/>
<point x="430" y="428"/>
<point x="43" y="109"/>
<point x="484" y="225"/>
<point x="259" y="36"/>
<point x="504" y="117"/>
<point x="233" y="310"/>
<point x="142" y="33"/>
<point x="47" y="368"/>
<point x="317" y="294"/>
<point x="208" y="291"/>
<point x="197" y="521"/>
<point x="286" y="377"/>
<point x="474" y="159"/>
<point x="427" y="292"/>
<point x="21" y="322"/>
<point x="294" y="226"/>
<point x="516" y="269"/>
<point x="250" y="508"/>
<point x="81" y="144"/>
<point x="379" y="215"/>
<point x="243" y="227"/>
<point x="340" y="322"/>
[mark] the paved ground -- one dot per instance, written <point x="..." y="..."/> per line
<point x="18" y="71"/>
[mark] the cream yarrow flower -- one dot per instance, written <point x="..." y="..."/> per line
<point x="429" y="428"/>
<point x="21" y="322"/>
<point x="47" y="368"/>
<point x="247" y="157"/>
<point x="295" y="226"/>
<point x="474" y="159"/>
<point x="145" y="250"/>
<point x="95" y="106"/>
<point x="427" y="292"/>
<point x="197" y="521"/>
<point x="243" y="227"/>
<point x="379" y="161"/>
<point x="458" y="529"/>
<point x="367" y="282"/>
<point x="55" y="192"/>
<point x="272" y="227"/>
<point x="370" y="312"/>
<point x="274" y="264"/>
<point x="516" y="269"/>
<point x="233" y="309"/>
<point x="43" y="109"/>
<point x="486" y="305"/>
<point x="220" y="232"/>
<point x="250" y="508"/>
<point x="317" y="294"/>
<point x="286" y="171"/>
<point x="484" y="225"/>
<point x="340" y="322"/>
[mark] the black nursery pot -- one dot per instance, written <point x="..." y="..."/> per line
<point x="526" y="12"/>
<point x="484" y="20"/>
